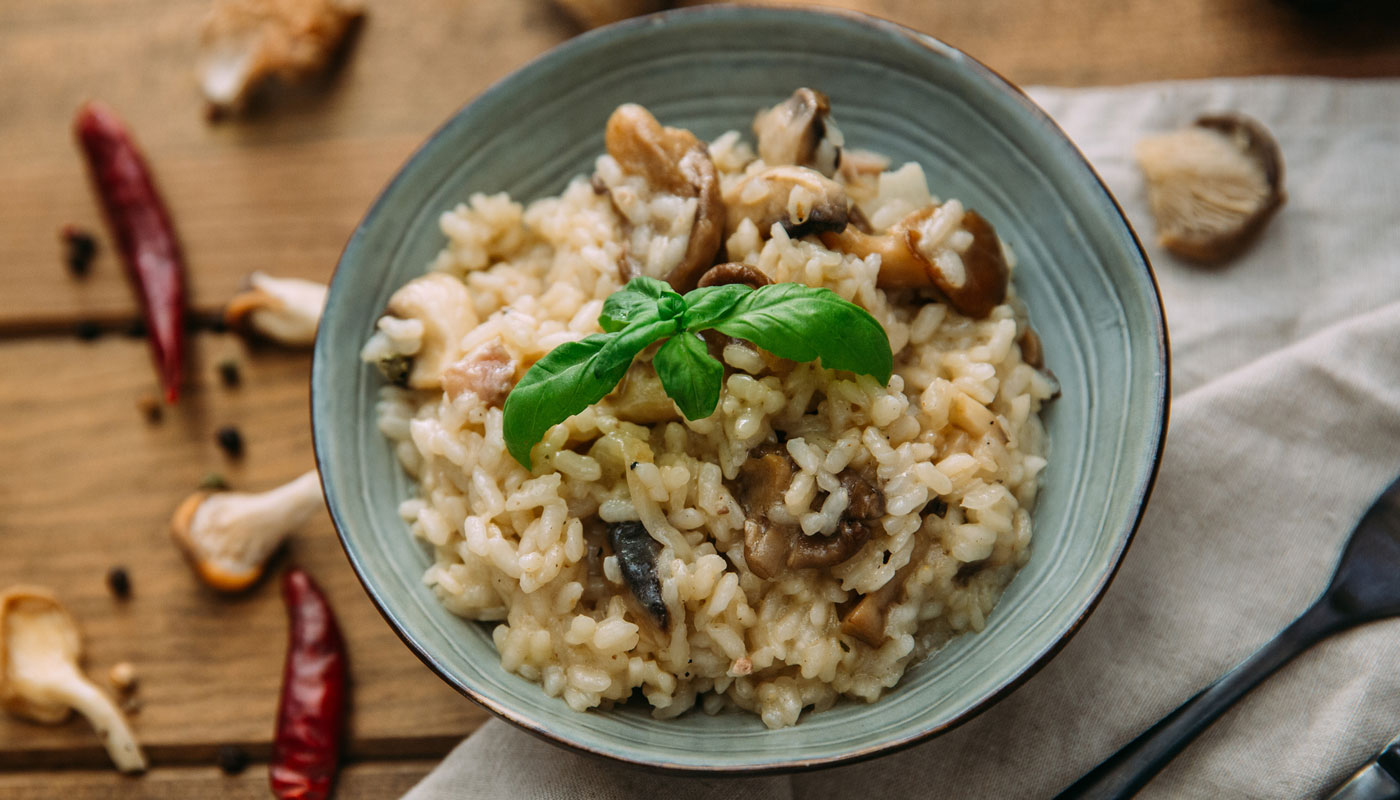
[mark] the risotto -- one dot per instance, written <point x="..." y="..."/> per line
<point x="811" y="538"/>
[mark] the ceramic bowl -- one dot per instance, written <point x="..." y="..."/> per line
<point x="1088" y="286"/>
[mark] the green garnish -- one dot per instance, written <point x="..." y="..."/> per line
<point x="789" y="320"/>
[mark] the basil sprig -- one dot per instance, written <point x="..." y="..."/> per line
<point x="789" y="320"/>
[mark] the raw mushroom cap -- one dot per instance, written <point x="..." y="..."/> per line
<point x="1213" y="185"/>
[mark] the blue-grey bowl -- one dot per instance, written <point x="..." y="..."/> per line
<point x="1088" y="286"/>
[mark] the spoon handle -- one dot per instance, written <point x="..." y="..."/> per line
<point x="1128" y="770"/>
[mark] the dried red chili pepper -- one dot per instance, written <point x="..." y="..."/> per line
<point x="145" y="237"/>
<point x="311" y="713"/>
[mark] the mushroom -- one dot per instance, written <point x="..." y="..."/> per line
<point x="40" y="680"/>
<point x="636" y="554"/>
<point x="596" y="13"/>
<point x="229" y="536"/>
<point x="1213" y="185"/>
<point x="248" y="42"/>
<point x="802" y="200"/>
<point x="771" y="546"/>
<point x="734" y="272"/>
<point x="945" y="248"/>
<point x="285" y="310"/>
<point x="641" y="398"/>
<point x="674" y="161"/>
<point x="443" y="306"/>
<point x="866" y="620"/>
<point x="489" y="371"/>
<point x="798" y="131"/>
<point x="866" y="504"/>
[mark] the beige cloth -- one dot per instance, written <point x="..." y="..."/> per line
<point x="1285" y="424"/>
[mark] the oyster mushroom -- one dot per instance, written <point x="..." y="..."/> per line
<point x="802" y="200"/>
<point x="1213" y="185"/>
<point x="443" y="306"/>
<point x="229" y="536"/>
<point x="285" y="310"/>
<point x="673" y="161"/>
<point x="799" y="131"/>
<point x="40" y="680"/>
<point x="246" y="43"/>
<point x="955" y="252"/>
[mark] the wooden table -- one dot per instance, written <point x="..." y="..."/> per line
<point x="88" y="482"/>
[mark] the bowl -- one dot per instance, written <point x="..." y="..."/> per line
<point x="1089" y="289"/>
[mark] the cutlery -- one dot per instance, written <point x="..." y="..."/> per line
<point x="1365" y="587"/>
<point x="1378" y="780"/>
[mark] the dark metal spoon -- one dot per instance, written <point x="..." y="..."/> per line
<point x="1364" y="588"/>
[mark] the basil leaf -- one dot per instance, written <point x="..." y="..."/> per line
<point x="624" y="305"/>
<point x="802" y="323"/>
<point x="704" y="307"/>
<point x="558" y="386"/>
<point x="623" y="346"/>
<point x="689" y="374"/>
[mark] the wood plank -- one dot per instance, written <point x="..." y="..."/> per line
<point x="375" y="780"/>
<point x="88" y="483"/>
<point x="281" y="191"/>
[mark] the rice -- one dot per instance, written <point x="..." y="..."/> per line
<point x="953" y="444"/>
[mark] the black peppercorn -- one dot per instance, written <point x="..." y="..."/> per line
<point x="232" y="759"/>
<point x="119" y="583"/>
<point x="230" y="440"/>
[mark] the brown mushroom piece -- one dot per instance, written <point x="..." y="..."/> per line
<point x="771" y="546"/>
<point x="866" y="620"/>
<point x="762" y="481"/>
<point x="40" y="680"/>
<point x="798" y="131"/>
<point x="672" y="160"/>
<point x="865" y="505"/>
<point x="1212" y="185"/>
<point x="802" y="200"/>
<point x="636" y="554"/>
<point x="973" y="281"/>
<point x="734" y="272"/>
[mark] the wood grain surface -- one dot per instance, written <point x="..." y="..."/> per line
<point x="87" y="482"/>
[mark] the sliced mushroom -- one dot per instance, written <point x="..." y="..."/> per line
<point x="248" y="42"/>
<point x="489" y="371"/>
<point x="1212" y="186"/>
<point x="1031" y="351"/>
<point x="285" y="310"/>
<point x="444" y="307"/>
<point x="674" y="161"/>
<point x="40" y="680"/>
<point x="636" y="554"/>
<point x="921" y="251"/>
<point x="770" y="546"/>
<point x="802" y="200"/>
<point x="229" y="536"/>
<point x="865" y="505"/>
<point x="866" y="620"/>
<point x="799" y="131"/>
<point x="734" y="272"/>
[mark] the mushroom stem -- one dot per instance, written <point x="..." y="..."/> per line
<point x="106" y="719"/>
<point x="40" y="648"/>
<point x="285" y="310"/>
<point x="229" y="536"/>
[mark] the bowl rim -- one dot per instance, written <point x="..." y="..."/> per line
<point x="1142" y="490"/>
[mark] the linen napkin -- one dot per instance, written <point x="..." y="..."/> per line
<point x="1285" y="424"/>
